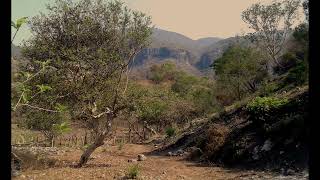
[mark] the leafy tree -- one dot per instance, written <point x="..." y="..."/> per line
<point x="17" y="25"/>
<point x="183" y="83"/>
<point x="88" y="45"/>
<point x="240" y="70"/>
<point x="160" y="73"/>
<point x="272" y="25"/>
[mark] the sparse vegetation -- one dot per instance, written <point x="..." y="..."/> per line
<point x="133" y="171"/>
<point x="171" y="131"/>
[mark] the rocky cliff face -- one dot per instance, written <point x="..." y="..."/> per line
<point x="181" y="50"/>
<point x="193" y="56"/>
<point x="163" y="53"/>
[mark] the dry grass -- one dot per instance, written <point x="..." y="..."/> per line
<point x="34" y="161"/>
<point x="216" y="136"/>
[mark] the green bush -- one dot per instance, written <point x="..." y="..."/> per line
<point x="261" y="108"/>
<point x="297" y="75"/>
<point x="163" y="72"/>
<point x="171" y="131"/>
<point x="133" y="171"/>
<point x="268" y="88"/>
<point x="183" y="83"/>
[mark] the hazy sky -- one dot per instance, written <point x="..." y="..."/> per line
<point x="193" y="18"/>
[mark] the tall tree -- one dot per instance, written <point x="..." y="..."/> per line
<point x="240" y="70"/>
<point x="271" y="24"/>
<point x="88" y="46"/>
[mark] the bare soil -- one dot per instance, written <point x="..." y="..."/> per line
<point x="111" y="163"/>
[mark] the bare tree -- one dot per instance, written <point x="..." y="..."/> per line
<point x="271" y="24"/>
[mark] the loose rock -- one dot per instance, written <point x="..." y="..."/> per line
<point x="267" y="145"/>
<point x="141" y="157"/>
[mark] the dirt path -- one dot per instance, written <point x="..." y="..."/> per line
<point x="112" y="163"/>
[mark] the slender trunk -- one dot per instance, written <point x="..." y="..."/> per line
<point x="14" y="35"/>
<point x="98" y="141"/>
<point x="52" y="142"/>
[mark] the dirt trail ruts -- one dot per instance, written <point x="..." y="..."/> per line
<point x="111" y="163"/>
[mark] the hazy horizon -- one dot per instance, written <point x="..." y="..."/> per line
<point x="194" y="19"/>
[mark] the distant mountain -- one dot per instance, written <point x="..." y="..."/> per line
<point x="163" y="38"/>
<point x="214" y="51"/>
<point x="205" y="42"/>
<point x="193" y="56"/>
<point x="171" y="46"/>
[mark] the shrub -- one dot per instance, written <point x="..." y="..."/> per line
<point x="268" y="88"/>
<point x="163" y="72"/>
<point x="287" y="61"/>
<point x="133" y="171"/>
<point x="216" y="136"/>
<point x="171" y="131"/>
<point x="120" y="145"/>
<point x="297" y="75"/>
<point x="183" y="83"/>
<point x="261" y="108"/>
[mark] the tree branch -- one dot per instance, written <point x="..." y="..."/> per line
<point x="39" y="108"/>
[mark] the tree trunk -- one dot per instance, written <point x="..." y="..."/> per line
<point x="85" y="156"/>
<point x="98" y="141"/>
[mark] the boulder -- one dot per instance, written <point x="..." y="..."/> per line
<point x="141" y="157"/>
<point x="267" y="145"/>
<point x="180" y="152"/>
<point x="289" y="172"/>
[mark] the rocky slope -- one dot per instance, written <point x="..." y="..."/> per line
<point x="231" y="138"/>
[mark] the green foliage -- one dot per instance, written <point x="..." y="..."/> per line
<point x="261" y="108"/>
<point x="163" y="72"/>
<point x="120" y="145"/>
<point x="240" y="70"/>
<point x="268" y="88"/>
<point x="19" y="22"/>
<point x="295" y="62"/>
<point x="153" y="110"/>
<point x="301" y="33"/>
<point x="278" y="18"/>
<point x="297" y="75"/>
<point x="83" y="69"/>
<point x="170" y="131"/>
<point x="183" y="83"/>
<point x="43" y="88"/>
<point x="158" y="105"/>
<point x="62" y="128"/>
<point x="60" y="108"/>
<point x="133" y="171"/>
<point x="17" y="25"/>
<point x="85" y="147"/>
